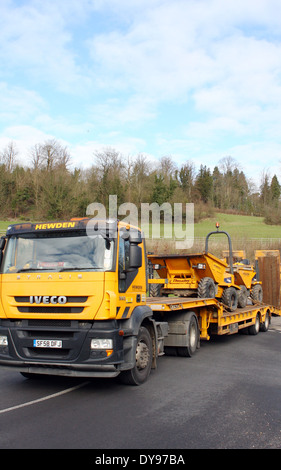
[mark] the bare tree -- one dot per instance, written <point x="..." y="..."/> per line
<point x="50" y="155"/>
<point x="8" y="156"/>
<point x="228" y="164"/>
<point x="140" y="179"/>
<point x="110" y="170"/>
<point x="167" y="168"/>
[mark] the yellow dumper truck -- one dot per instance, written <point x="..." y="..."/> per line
<point x="206" y="275"/>
<point x="74" y="302"/>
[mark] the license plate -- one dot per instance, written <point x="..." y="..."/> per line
<point x="47" y="343"/>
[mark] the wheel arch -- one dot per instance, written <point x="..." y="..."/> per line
<point x="141" y="316"/>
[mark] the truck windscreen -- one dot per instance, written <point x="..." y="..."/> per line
<point x="58" y="252"/>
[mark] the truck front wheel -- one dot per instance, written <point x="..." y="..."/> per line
<point x="142" y="368"/>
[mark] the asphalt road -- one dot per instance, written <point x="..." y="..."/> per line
<point x="227" y="396"/>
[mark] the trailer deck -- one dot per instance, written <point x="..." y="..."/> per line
<point x="213" y="316"/>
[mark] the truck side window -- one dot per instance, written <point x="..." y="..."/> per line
<point x="123" y="261"/>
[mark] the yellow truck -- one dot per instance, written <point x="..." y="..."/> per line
<point x="74" y="302"/>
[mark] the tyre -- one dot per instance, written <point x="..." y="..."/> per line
<point x="242" y="297"/>
<point x="255" y="328"/>
<point x="206" y="288"/>
<point x="155" y="290"/>
<point x="193" y="335"/>
<point x="230" y="298"/>
<point x="142" y="368"/>
<point x="256" y="293"/>
<point x="264" y="326"/>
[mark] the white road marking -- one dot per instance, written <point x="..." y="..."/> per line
<point x="48" y="397"/>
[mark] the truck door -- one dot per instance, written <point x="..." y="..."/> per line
<point x="131" y="280"/>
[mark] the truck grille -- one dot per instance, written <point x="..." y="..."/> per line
<point x="51" y="308"/>
<point x="70" y="299"/>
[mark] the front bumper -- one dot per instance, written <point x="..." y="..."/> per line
<point x="75" y="358"/>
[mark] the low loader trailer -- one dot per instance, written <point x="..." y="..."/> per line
<point x="74" y="303"/>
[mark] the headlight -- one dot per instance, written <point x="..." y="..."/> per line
<point x="3" y="341"/>
<point x="101" y="343"/>
<point x="201" y="266"/>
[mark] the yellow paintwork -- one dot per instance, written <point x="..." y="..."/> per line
<point x="211" y="311"/>
<point x="181" y="272"/>
<point x="104" y="301"/>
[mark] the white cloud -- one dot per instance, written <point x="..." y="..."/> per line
<point x="115" y="112"/>
<point x="190" y="78"/>
<point x="214" y="55"/>
<point x="36" y="43"/>
<point x="258" y="156"/>
<point x="18" y="103"/>
<point x="83" y="154"/>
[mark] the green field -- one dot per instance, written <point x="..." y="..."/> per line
<point x="3" y="225"/>
<point x="238" y="226"/>
<point x="247" y="232"/>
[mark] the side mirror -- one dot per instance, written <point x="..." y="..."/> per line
<point x="134" y="236"/>
<point x="135" y="256"/>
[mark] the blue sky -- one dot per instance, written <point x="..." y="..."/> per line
<point x="196" y="80"/>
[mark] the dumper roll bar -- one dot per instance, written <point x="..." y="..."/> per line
<point x="229" y="244"/>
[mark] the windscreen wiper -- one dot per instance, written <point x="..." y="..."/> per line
<point x="77" y="268"/>
<point x="33" y="269"/>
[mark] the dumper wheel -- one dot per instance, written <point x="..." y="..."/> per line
<point x="242" y="297"/>
<point x="206" y="288"/>
<point x="155" y="290"/>
<point x="142" y="368"/>
<point x="256" y="293"/>
<point x="230" y="298"/>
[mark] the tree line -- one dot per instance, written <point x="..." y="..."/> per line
<point x="47" y="187"/>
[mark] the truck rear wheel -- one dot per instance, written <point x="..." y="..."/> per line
<point x="142" y="368"/>
<point x="193" y="335"/>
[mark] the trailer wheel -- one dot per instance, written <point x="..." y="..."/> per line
<point x="242" y="297"/>
<point x="230" y="298"/>
<point x="206" y="288"/>
<point x="255" y="328"/>
<point x="256" y="293"/>
<point x="142" y="368"/>
<point x="193" y="335"/>
<point x="264" y="326"/>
